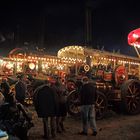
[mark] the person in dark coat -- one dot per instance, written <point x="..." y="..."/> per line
<point x="87" y="100"/>
<point x="45" y="102"/>
<point x="20" y="89"/>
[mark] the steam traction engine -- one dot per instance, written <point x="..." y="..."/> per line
<point x="114" y="88"/>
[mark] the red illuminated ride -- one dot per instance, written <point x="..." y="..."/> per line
<point x="134" y="38"/>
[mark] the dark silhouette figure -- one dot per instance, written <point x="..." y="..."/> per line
<point x="45" y="102"/>
<point x="20" y="89"/>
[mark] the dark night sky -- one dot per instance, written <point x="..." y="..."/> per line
<point x="22" y="21"/>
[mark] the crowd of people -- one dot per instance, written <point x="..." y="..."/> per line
<point x="50" y="102"/>
<point x="15" y="119"/>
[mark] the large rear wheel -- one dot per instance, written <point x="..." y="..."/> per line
<point x="74" y="108"/>
<point x="131" y="96"/>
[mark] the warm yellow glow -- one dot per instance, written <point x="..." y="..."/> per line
<point x="31" y="66"/>
<point x="1" y="61"/>
<point x="72" y="53"/>
<point x="9" y="65"/>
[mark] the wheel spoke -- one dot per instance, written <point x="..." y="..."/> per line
<point x="134" y="105"/>
<point x="128" y="96"/>
<point x="136" y="102"/>
<point x="97" y="99"/>
<point x="137" y="93"/>
<point x="101" y="102"/>
<point x="133" y="88"/>
<point x="130" y="90"/>
<point x="129" y="105"/>
<point x="137" y="98"/>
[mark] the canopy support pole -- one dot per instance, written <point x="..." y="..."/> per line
<point x="136" y="49"/>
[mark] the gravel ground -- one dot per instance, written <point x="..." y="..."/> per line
<point x="113" y="127"/>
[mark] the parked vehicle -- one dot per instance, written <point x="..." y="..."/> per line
<point x="114" y="88"/>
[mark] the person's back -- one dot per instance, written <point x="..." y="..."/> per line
<point x="45" y="102"/>
<point x="88" y="94"/>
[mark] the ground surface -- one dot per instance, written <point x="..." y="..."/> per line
<point x="113" y="127"/>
